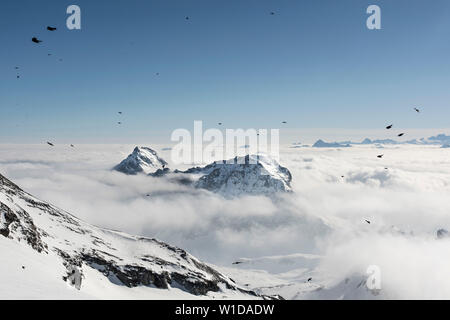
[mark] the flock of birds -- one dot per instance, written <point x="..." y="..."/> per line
<point x="389" y="127"/>
<point x="50" y="28"/>
<point x="38" y="41"/>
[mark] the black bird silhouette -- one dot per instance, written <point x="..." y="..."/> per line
<point x="417" y="110"/>
<point x="284" y="122"/>
<point x="120" y="112"/>
<point x="16" y="68"/>
<point x="380" y="156"/>
<point x="401" y="134"/>
<point x="51" y="29"/>
<point x="220" y="123"/>
<point x="50" y="144"/>
<point x="36" y="40"/>
<point x="367" y="221"/>
<point x="157" y="73"/>
<point x="389" y="126"/>
<point x="49" y="54"/>
<point x="272" y="13"/>
<point x="309" y="279"/>
<point x="187" y="18"/>
<point x="17" y="76"/>
<point x="237" y="262"/>
<point x="72" y="146"/>
<point x="386" y="168"/>
<point x="119" y="122"/>
<point x="342" y="176"/>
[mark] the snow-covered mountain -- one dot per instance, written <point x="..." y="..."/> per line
<point x="49" y="253"/>
<point x="243" y="175"/>
<point x="323" y="144"/>
<point x="440" y="139"/>
<point x="142" y="159"/>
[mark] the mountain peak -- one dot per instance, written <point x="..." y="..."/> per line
<point x="141" y="160"/>
<point x="252" y="174"/>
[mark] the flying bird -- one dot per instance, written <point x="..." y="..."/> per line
<point x="367" y="221"/>
<point x="16" y="68"/>
<point x="389" y="126"/>
<point x="220" y="123"/>
<point x="417" y="110"/>
<point x="72" y="146"/>
<point x="120" y="112"/>
<point x="51" y="29"/>
<point x="50" y="144"/>
<point x="119" y="122"/>
<point x="284" y="122"/>
<point x="187" y="18"/>
<point x="157" y="73"/>
<point x="36" y="40"/>
<point x="237" y="262"/>
<point x="272" y="13"/>
<point x="401" y="134"/>
<point x="49" y="54"/>
<point x="380" y="156"/>
<point x="309" y="279"/>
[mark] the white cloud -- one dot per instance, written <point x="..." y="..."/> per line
<point x="325" y="215"/>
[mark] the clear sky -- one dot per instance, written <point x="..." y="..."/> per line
<point x="314" y="64"/>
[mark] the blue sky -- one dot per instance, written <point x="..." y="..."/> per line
<point x="313" y="63"/>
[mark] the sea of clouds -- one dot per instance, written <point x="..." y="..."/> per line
<point x="405" y="196"/>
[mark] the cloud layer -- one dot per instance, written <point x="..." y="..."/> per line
<point x="335" y="191"/>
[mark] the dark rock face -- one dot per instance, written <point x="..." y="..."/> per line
<point x="442" y="233"/>
<point x="20" y="223"/>
<point x="160" y="172"/>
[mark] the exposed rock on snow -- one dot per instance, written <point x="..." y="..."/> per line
<point x="77" y="248"/>
<point x="245" y="175"/>
<point x="442" y="233"/>
<point x="143" y="160"/>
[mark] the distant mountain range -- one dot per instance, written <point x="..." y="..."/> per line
<point x="440" y="139"/>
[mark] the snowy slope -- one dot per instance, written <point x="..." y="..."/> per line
<point x="48" y="253"/>
<point x="142" y="159"/>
